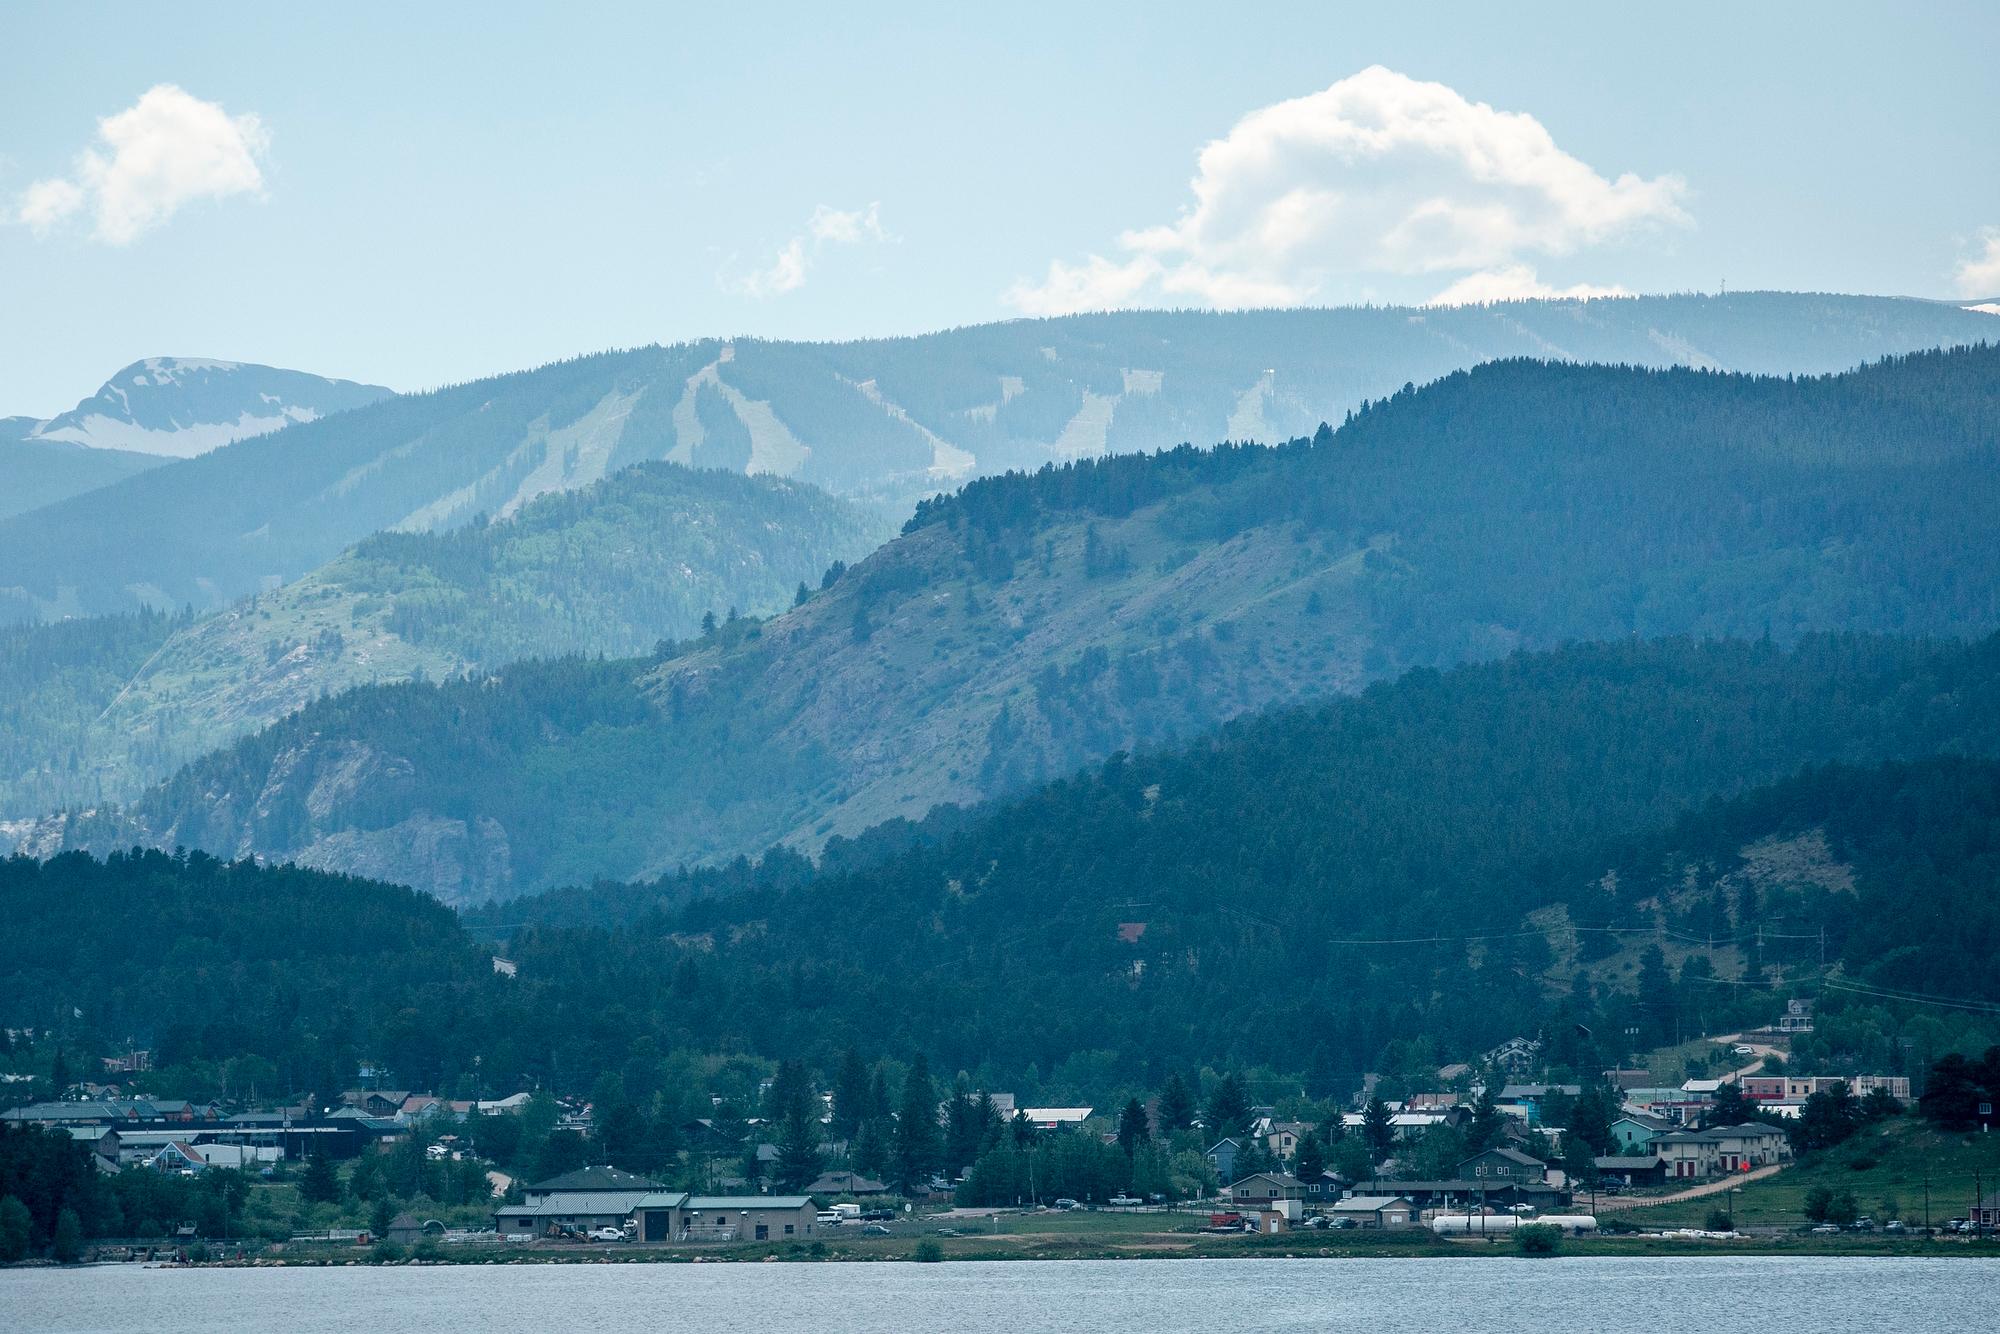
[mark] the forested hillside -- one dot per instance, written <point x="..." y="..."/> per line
<point x="615" y="568"/>
<point x="891" y="420"/>
<point x="1386" y="882"/>
<point x="1034" y="624"/>
<point x="34" y="473"/>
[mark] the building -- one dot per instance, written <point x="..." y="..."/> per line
<point x="177" y="1157"/>
<point x="1526" y="1100"/>
<point x="1056" y="1118"/>
<point x="1504" y="1167"/>
<point x="1375" y="1211"/>
<point x="666" y="1217"/>
<point x="102" y="1141"/>
<point x="1634" y="1132"/>
<point x="1281" y="1138"/>
<point x="1259" y="1189"/>
<point x="1797" y="1018"/>
<point x="1631" y="1169"/>
<point x="1516" y="1056"/>
<point x="590" y="1197"/>
<point x="1985" y="1212"/>
<point x="1697" y="1154"/>
<point x="376" y="1102"/>
<point x="1221" y="1156"/>
<point x="845" y="1183"/>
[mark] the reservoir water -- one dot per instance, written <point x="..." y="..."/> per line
<point x="1657" y="1296"/>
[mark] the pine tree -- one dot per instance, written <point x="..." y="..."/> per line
<point x="1176" y="1108"/>
<point x="795" y="1105"/>
<point x="1376" y="1129"/>
<point x="917" y="1148"/>
<point x="1133" y="1127"/>
<point x="853" y="1103"/>
<point x="320" y="1184"/>
<point x="1228" y="1113"/>
<point x="1309" y="1164"/>
<point x="1484" y="1130"/>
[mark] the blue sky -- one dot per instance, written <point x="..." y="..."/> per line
<point x="419" y="198"/>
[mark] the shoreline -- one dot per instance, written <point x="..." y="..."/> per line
<point x="1162" y="1247"/>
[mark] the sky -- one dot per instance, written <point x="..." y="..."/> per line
<point x="417" y="198"/>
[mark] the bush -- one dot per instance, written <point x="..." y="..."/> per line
<point x="386" y="1253"/>
<point x="1538" y="1239"/>
<point x="928" y="1252"/>
<point x="1719" y="1221"/>
<point x="198" y="1253"/>
<point x="68" y="1246"/>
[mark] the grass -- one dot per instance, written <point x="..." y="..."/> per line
<point x="1886" y="1163"/>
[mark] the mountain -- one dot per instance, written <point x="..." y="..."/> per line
<point x="890" y="420"/>
<point x="1436" y="861"/>
<point x="178" y="407"/>
<point x="1422" y="865"/>
<point x="1030" y="625"/>
<point x="34" y="473"/>
<point x="615" y="568"/>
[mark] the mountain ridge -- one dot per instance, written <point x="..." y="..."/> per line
<point x="1030" y="625"/>
<point x="888" y="420"/>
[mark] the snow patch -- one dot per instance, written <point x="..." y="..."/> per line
<point x="948" y="461"/>
<point x="102" y="432"/>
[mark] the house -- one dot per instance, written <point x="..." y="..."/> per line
<point x="1635" y="1132"/>
<point x="845" y="1183"/>
<point x="1985" y="1211"/>
<point x="1797" y="1018"/>
<point x="1281" y="1138"/>
<point x="405" y="1229"/>
<point x="1375" y="1211"/>
<point x="1222" y="1157"/>
<point x="177" y="1157"/>
<point x="375" y="1102"/>
<point x="239" y="1155"/>
<point x="1516" y="1056"/>
<point x="1504" y="1166"/>
<point x="1259" y="1189"/>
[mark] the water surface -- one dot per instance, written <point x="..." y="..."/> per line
<point x="1655" y="1295"/>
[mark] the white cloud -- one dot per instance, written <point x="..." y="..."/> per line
<point x="1979" y="275"/>
<point x="1515" y="282"/>
<point x="827" y="226"/>
<point x="167" y="150"/>
<point x="1378" y="175"/>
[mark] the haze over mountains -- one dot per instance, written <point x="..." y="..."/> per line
<point x="1028" y="626"/>
<point x="888" y="421"/>
<point x="178" y="407"/>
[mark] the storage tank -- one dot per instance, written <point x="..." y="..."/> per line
<point x="1499" y="1225"/>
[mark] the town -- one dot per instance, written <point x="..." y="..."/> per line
<point x="1493" y="1153"/>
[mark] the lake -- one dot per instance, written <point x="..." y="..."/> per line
<point x="1657" y="1296"/>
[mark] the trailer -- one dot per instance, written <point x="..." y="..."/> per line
<point x="1499" y="1225"/>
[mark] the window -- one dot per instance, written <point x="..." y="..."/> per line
<point x="763" y="1232"/>
<point x="788" y="1229"/>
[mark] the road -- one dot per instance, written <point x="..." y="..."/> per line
<point x="1716" y="1187"/>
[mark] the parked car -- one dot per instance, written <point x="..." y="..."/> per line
<point x="607" y="1234"/>
<point x="1744" y="1049"/>
<point x="519" y="1238"/>
<point x="947" y="1232"/>
<point x="1068" y="1204"/>
<point x="1126" y="1201"/>
<point x="1863" y="1224"/>
<point x="878" y="1215"/>
<point x="1317" y="1220"/>
<point x="875" y="1230"/>
<point x="1895" y="1225"/>
<point x="1826" y="1229"/>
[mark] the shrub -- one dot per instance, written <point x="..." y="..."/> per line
<point x="928" y="1252"/>
<point x="1538" y="1239"/>
<point x="386" y="1253"/>
<point x="1719" y="1221"/>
